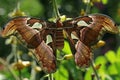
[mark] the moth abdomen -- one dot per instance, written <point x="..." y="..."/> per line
<point x="59" y="39"/>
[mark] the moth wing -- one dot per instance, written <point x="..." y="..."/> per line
<point x="107" y="23"/>
<point x="23" y="25"/>
<point x="46" y="58"/>
<point x="83" y="55"/>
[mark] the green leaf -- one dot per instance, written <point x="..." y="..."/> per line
<point x="104" y="1"/>
<point x="33" y="7"/>
<point x="25" y="73"/>
<point x="74" y="72"/>
<point x="101" y="60"/>
<point x="117" y="65"/>
<point x="112" y="70"/>
<point x="117" y="78"/>
<point x="118" y="53"/>
<point x="111" y="56"/>
<point x="66" y="48"/>
<point x="61" y="74"/>
<point x="88" y="74"/>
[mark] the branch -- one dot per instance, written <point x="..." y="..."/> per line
<point x="9" y="69"/>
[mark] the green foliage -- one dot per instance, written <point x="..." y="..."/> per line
<point x="67" y="70"/>
<point x="66" y="48"/>
<point x="32" y="6"/>
<point x="104" y="1"/>
<point x="9" y="76"/>
<point x="61" y="73"/>
<point x="109" y="69"/>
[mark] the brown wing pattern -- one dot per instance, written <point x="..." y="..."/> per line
<point x="34" y="38"/>
<point x="88" y="34"/>
<point x="46" y="58"/>
<point x="30" y="35"/>
<point x="83" y="54"/>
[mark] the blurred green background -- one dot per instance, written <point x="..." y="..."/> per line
<point x="108" y="56"/>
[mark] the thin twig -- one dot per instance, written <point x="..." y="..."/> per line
<point x="95" y="72"/>
<point x="9" y="57"/>
<point x="87" y="11"/>
<point x="50" y="77"/>
<point x="9" y="69"/>
<point x="17" y="56"/>
<point x="18" y="6"/>
<point x="33" y="72"/>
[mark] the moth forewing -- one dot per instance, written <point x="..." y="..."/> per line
<point x="9" y="29"/>
<point x="82" y="23"/>
<point x="111" y="28"/>
<point x="37" y="25"/>
<point x="106" y="22"/>
<point x="87" y="19"/>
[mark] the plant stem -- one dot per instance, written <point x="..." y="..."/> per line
<point x="9" y="69"/>
<point x="10" y="56"/>
<point x="50" y="77"/>
<point x="33" y="72"/>
<point x="57" y="14"/>
<point x="16" y="55"/>
<point x="20" y="74"/>
<point x="18" y="6"/>
<point x="95" y="72"/>
<point x="88" y="8"/>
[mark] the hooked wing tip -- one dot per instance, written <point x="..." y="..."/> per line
<point x="8" y="30"/>
<point x="107" y="22"/>
<point x="10" y="27"/>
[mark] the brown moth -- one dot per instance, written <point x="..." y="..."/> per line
<point x="88" y="30"/>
